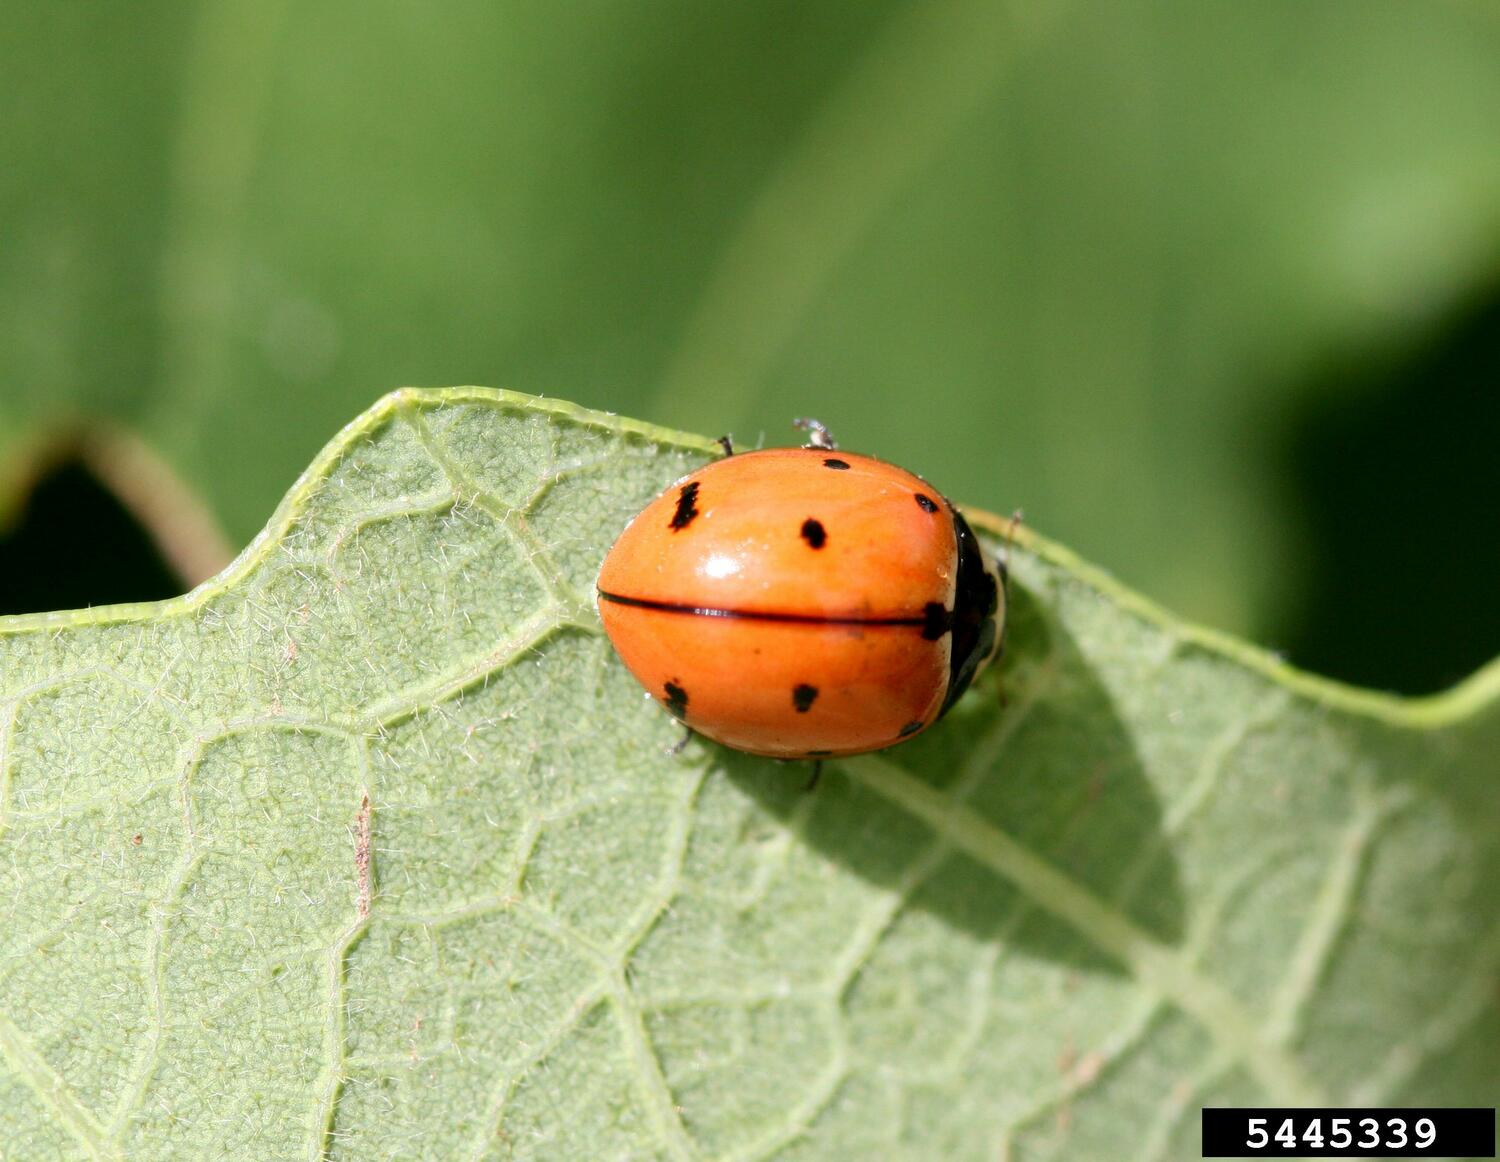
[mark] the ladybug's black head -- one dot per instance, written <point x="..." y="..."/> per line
<point x="978" y="611"/>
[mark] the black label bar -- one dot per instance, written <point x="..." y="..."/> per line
<point x="1348" y="1133"/>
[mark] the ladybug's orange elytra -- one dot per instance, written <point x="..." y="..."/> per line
<point x="802" y="602"/>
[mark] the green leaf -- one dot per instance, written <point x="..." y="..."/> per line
<point x="370" y="847"/>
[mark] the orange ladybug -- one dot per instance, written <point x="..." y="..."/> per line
<point x="802" y="603"/>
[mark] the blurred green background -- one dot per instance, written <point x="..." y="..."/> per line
<point x="1210" y="290"/>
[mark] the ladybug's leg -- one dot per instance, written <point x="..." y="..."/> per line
<point x="677" y="747"/>
<point x="727" y="443"/>
<point x="817" y="773"/>
<point x="818" y="436"/>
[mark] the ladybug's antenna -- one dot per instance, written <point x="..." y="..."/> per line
<point x="1003" y="560"/>
<point x="818" y="436"/>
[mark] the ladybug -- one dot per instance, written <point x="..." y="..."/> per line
<point x="802" y="603"/>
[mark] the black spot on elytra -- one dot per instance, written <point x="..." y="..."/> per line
<point x="909" y="729"/>
<point x="813" y="533"/>
<point x="936" y="621"/>
<point x="840" y="465"/>
<point x="803" y="697"/>
<point x="677" y="699"/>
<point x="926" y="503"/>
<point x="687" y="507"/>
